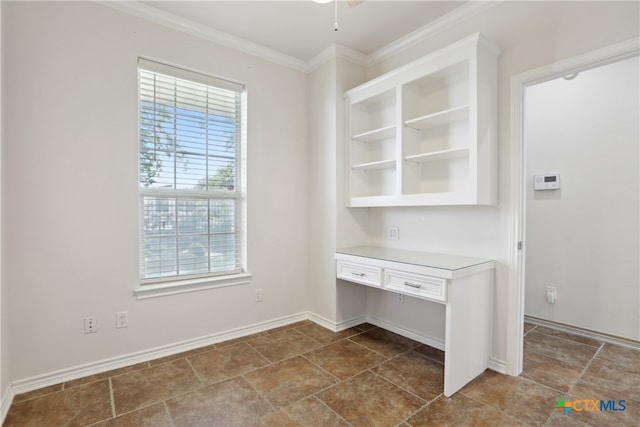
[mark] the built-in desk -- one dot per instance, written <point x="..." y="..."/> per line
<point x="463" y="284"/>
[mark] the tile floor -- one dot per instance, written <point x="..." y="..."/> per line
<point x="305" y="375"/>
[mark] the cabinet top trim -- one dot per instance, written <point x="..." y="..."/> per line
<point x="476" y="39"/>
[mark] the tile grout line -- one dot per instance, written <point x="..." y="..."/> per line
<point x="586" y="367"/>
<point x="303" y="355"/>
<point x="340" y="417"/>
<point x="315" y="394"/>
<point x="168" y="412"/>
<point x="503" y="412"/>
<point x="112" y="398"/>
<point x="370" y="349"/>
<point x="286" y="358"/>
<point x="527" y="380"/>
<point x="426" y="402"/>
<point x="530" y="330"/>
<point x="369" y="369"/>
<point x="259" y="393"/>
<point x="339" y="380"/>
<point x="564" y="337"/>
<point x="164" y="400"/>
<point x="596" y="348"/>
<point x="599" y="349"/>
<point x="145" y="406"/>
<point x="195" y="372"/>
<point x="311" y="396"/>
<point x="271" y="363"/>
<point x="584" y="370"/>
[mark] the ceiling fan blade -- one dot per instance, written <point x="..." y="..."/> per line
<point x="354" y="3"/>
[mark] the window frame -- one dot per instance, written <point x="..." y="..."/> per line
<point x="169" y="285"/>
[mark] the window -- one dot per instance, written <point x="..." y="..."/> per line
<point x="190" y="174"/>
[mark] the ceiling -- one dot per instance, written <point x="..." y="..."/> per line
<point x="302" y="29"/>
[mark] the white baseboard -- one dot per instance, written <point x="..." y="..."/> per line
<point x="322" y="321"/>
<point x="7" y="400"/>
<point x="498" y="365"/>
<point x="80" y="371"/>
<point x="588" y="333"/>
<point x="424" y="339"/>
<point x="346" y="324"/>
<point x="494" y="364"/>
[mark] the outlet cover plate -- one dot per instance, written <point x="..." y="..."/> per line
<point x="393" y="233"/>
<point x="122" y="320"/>
<point x="90" y="326"/>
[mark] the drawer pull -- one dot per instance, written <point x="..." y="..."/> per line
<point x="357" y="274"/>
<point x="412" y="285"/>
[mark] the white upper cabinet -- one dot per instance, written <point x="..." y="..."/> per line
<point x="426" y="133"/>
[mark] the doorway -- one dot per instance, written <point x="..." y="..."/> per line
<point x="582" y="198"/>
<point x="519" y="85"/>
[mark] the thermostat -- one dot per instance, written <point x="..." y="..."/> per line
<point x="546" y="182"/>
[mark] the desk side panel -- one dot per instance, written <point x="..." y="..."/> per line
<point x="468" y="331"/>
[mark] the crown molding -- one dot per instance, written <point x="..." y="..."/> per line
<point x="335" y="51"/>
<point x="434" y="27"/>
<point x="170" y="20"/>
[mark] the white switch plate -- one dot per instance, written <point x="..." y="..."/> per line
<point x="551" y="294"/>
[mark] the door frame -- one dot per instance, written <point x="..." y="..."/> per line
<point x="519" y="83"/>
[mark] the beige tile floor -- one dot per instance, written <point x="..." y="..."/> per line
<point x="305" y="375"/>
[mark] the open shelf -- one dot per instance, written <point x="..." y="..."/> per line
<point x="440" y="118"/>
<point x="452" y="153"/>
<point x="376" y="134"/>
<point x="381" y="164"/>
<point x="426" y="133"/>
<point x="373" y="117"/>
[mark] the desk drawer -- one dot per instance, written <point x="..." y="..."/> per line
<point x="359" y="273"/>
<point x="417" y="285"/>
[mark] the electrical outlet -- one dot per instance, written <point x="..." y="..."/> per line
<point x="258" y="295"/>
<point x="121" y="319"/>
<point x="90" y="325"/>
<point x="400" y="298"/>
<point x="393" y="233"/>
<point x="551" y="294"/>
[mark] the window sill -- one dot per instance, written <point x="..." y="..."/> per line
<point x="190" y="285"/>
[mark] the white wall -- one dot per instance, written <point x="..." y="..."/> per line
<point x="70" y="187"/>
<point x="351" y="224"/>
<point x="331" y="225"/>
<point x="321" y="296"/>
<point x="530" y="34"/>
<point x="584" y="238"/>
<point x="4" y="366"/>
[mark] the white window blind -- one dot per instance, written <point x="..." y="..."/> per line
<point x="189" y="174"/>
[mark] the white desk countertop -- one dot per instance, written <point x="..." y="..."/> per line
<point x="423" y="259"/>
